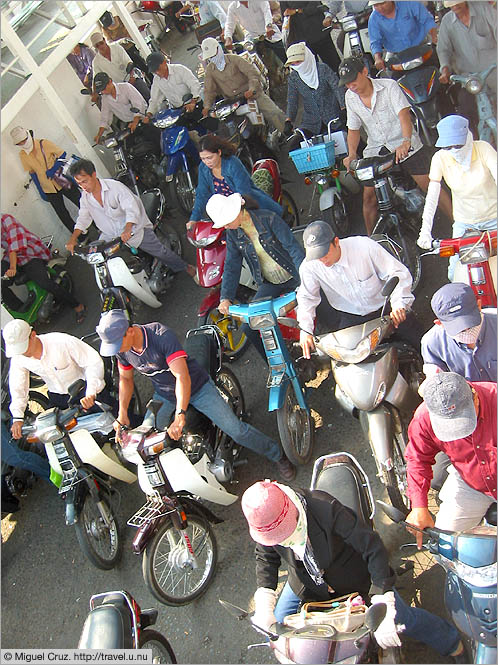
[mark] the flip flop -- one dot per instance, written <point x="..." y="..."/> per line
<point x="81" y="315"/>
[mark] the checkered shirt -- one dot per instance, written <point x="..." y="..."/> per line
<point x="17" y="238"/>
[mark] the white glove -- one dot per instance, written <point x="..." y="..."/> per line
<point x="425" y="240"/>
<point x="386" y="634"/>
<point x="264" y="604"/>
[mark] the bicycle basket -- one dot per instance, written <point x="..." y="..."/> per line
<point x="314" y="158"/>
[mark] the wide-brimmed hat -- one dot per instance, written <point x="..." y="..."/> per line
<point x="452" y="3"/>
<point x="317" y="237"/>
<point x="16" y="337"/>
<point x="296" y="53"/>
<point x="449" y="401"/>
<point x="96" y="38"/>
<point x="111" y="330"/>
<point x="18" y="135"/>
<point x="271" y="515"/>
<point x="455" y="305"/>
<point x="209" y="48"/>
<point x="224" y="209"/>
<point x="452" y="130"/>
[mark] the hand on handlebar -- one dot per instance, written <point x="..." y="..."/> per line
<point x="133" y="125"/>
<point x="223" y="307"/>
<point x="249" y="94"/>
<point x="11" y="272"/>
<point x="347" y="161"/>
<point x="16" y="429"/>
<point x="228" y="43"/>
<point x="307" y="344"/>
<point x="88" y="401"/>
<point x="421" y="518"/>
<point x="126" y="235"/>
<point x="425" y="240"/>
<point x="175" y="430"/>
<point x="70" y="245"/>
<point x="402" y="151"/>
<point x="191" y="225"/>
<point x="380" y="65"/>
<point x="445" y="76"/>
<point x="398" y="316"/>
<point x="190" y="106"/>
<point x="146" y="119"/>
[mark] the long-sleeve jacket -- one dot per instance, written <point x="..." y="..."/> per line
<point x="277" y="240"/>
<point x="237" y="178"/>
<point x="320" y="105"/>
<point x="35" y="164"/>
<point x="306" y="26"/>
<point x="237" y="77"/>
<point x="352" y="555"/>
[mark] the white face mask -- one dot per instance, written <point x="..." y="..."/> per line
<point x="27" y="146"/>
<point x="468" y="336"/>
<point x="463" y="155"/>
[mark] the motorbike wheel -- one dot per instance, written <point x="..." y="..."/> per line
<point x="162" y="652"/>
<point x="166" y="568"/>
<point x="169" y="238"/>
<point x="99" y="543"/>
<point x="237" y="342"/>
<point x="296" y="429"/>
<point x="182" y="191"/>
<point x="290" y="214"/>
<point x="337" y="217"/>
<point x="395" y="479"/>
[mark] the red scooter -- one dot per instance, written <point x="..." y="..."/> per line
<point x="211" y="251"/>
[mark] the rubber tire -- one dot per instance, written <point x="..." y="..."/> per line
<point x="291" y="212"/>
<point x="212" y="316"/>
<point x="390" y="481"/>
<point x="287" y="443"/>
<point x="86" y="545"/>
<point x="148" y="557"/>
<point x="337" y="218"/>
<point x="149" y="635"/>
<point x="180" y="176"/>
<point x="241" y="406"/>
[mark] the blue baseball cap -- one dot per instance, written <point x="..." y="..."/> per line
<point x="111" y="330"/>
<point x="452" y="130"/>
<point x="455" y="305"/>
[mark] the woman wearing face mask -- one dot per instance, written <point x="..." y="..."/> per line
<point x="42" y="158"/>
<point x="317" y="85"/>
<point x="469" y="169"/>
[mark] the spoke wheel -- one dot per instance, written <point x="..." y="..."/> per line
<point x="162" y="651"/>
<point x="296" y="429"/>
<point x="237" y="342"/>
<point x="337" y="217"/>
<point x="170" y="238"/>
<point x="290" y="214"/>
<point x="230" y="389"/>
<point x="101" y="544"/>
<point x="168" y="568"/>
<point x="183" y="189"/>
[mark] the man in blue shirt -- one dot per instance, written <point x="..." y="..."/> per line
<point x="464" y="338"/>
<point x="396" y="26"/>
<point x="155" y="351"/>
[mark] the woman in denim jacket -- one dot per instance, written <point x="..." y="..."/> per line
<point x="265" y="241"/>
<point x="223" y="173"/>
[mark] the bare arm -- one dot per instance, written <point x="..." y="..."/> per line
<point x="353" y="142"/>
<point x="126" y="384"/>
<point x="179" y="369"/>
<point x="13" y="264"/>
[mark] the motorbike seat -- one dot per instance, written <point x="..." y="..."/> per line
<point x="20" y="278"/>
<point x="108" y="626"/>
<point x="202" y="348"/>
<point x="151" y="203"/>
<point x="490" y="515"/>
<point x="375" y="161"/>
<point x="342" y="482"/>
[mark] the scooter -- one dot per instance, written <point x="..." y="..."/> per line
<point x="469" y="559"/>
<point x="354" y="40"/>
<point x="341" y="476"/>
<point x="420" y="84"/>
<point x="377" y="383"/>
<point x="174" y="527"/>
<point x="83" y="467"/>
<point x="287" y="395"/>
<point x="476" y="85"/>
<point x="38" y="304"/>
<point x="477" y="263"/>
<point x="116" y="621"/>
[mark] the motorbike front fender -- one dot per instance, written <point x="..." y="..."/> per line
<point x="91" y="453"/>
<point x="197" y="508"/>
<point x="134" y="284"/>
<point x="327" y="198"/>
<point x="277" y="394"/>
<point x="378" y="427"/>
<point x="211" y="301"/>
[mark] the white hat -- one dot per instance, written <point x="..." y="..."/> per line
<point x="96" y="38"/>
<point x="452" y="3"/>
<point x="296" y="52"/>
<point x="224" y="209"/>
<point x="375" y="2"/>
<point x="209" y="48"/>
<point x="18" y="134"/>
<point x="16" y="335"/>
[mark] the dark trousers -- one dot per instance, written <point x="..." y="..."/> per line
<point x="56" y="200"/>
<point x="326" y="50"/>
<point x="36" y="270"/>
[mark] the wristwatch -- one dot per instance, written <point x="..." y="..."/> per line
<point x="180" y="411"/>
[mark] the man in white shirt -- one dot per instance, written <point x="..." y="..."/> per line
<point x="118" y="213"/>
<point x="209" y="10"/>
<point x="351" y="273"/>
<point x="57" y="358"/>
<point x="257" y="20"/>
<point x="170" y="84"/>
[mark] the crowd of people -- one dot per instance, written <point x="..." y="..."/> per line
<point x="325" y="548"/>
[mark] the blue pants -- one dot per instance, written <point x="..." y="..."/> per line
<point x="208" y="400"/>
<point x="419" y="624"/>
<point x="23" y="459"/>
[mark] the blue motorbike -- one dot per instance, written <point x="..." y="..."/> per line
<point x="287" y="395"/>
<point x="476" y="85"/>
<point x="469" y="558"/>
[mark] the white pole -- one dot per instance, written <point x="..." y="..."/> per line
<point x="132" y="27"/>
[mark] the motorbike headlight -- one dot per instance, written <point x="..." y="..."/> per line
<point x="49" y="434"/>
<point x="474" y="86"/>
<point x="349" y="23"/>
<point x="96" y="257"/>
<point x="163" y="123"/>
<point x="356" y="355"/>
<point x="366" y="173"/>
<point x="262" y="321"/>
<point x="484" y="576"/>
<point x="111" y="142"/>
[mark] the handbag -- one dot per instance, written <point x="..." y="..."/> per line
<point x="59" y="178"/>
<point x="345" y="614"/>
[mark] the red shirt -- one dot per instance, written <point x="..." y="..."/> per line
<point x="474" y="457"/>
<point x="16" y="238"/>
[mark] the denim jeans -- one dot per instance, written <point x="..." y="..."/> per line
<point x="419" y="624"/>
<point x="459" y="229"/>
<point x="23" y="459"/>
<point x="208" y="400"/>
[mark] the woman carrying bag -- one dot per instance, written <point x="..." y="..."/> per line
<point x="44" y="161"/>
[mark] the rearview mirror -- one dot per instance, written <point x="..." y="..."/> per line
<point x="129" y="67"/>
<point x="75" y="388"/>
<point x="187" y="97"/>
<point x="389" y="286"/>
<point x="374" y="616"/>
<point x="85" y="91"/>
<point x="394" y="514"/>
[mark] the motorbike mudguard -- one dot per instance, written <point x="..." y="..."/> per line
<point x="197" y="508"/>
<point x="420" y="84"/>
<point x="135" y="284"/>
<point x="177" y="160"/>
<point x="327" y="198"/>
<point x="378" y="427"/>
<point x="468" y="605"/>
<point x="107" y="462"/>
<point x="210" y="301"/>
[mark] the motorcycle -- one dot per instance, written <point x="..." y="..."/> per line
<point x="286" y="396"/>
<point x="420" y="83"/>
<point x="316" y="159"/>
<point x="167" y="11"/>
<point x="266" y="175"/>
<point x="341" y="476"/>
<point x="476" y="264"/>
<point x="174" y="527"/>
<point x="469" y="559"/>
<point x="476" y="85"/>
<point x="398" y="226"/>
<point x="353" y="40"/>
<point x="39" y="304"/>
<point x="377" y="383"/>
<point x="79" y="452"/>
<point x="116" y="621"/>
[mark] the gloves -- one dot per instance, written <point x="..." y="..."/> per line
<point x="386" y="634"/>
<point x="264" y="604"/>
<point x="425" y="239"/>
<point x="288" y="129"/>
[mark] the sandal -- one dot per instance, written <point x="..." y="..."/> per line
<point x="81" y="315"/>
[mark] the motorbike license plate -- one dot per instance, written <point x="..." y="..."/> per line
<point x="67" y="481"/>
